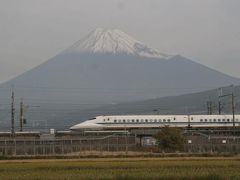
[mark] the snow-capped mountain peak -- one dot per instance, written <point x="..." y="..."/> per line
<point x="114" y="41"/>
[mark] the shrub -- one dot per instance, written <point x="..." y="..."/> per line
<point x="170" y="139"/>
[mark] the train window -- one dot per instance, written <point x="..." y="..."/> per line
<point x="119" y="121"/>
<point x="205" y="120"/>
<point x="133" y="121"/>
<point x="228" y="120"/>
<point x="142" y="120"/>
<point x="236" y="119"/>
<point x="223" y="120"/>
<point x="151" y="120"/>
<point x="155" y="120"/>
<point x="115" y="120"/>
<point x="210" y="120"/>
<point x="124" y="121"/>
<point x="164" y="120"/>
<point x="168" y="120"/>
<point x="146" y="120"/>
<point x="137" y="120"/>
<point x="201" y="120"/>
<point x="219" y="120"/>
<point x="108" y="119"/>
<point x="160" y="120"/>
<point x="192" y="118"/>
<point x="214" y="120"/>
<point x="174" y="118"/>
<point x="128" y="120"/>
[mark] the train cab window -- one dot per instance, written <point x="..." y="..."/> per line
<point x="201" y="120"/>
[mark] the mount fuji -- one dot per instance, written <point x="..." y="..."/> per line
<point x="107" y="67"/>
<point x="113" y="41"/>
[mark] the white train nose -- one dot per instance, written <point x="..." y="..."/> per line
<point x="73" y="128"/>
<point x="86" y="125"/>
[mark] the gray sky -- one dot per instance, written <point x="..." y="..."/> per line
<point x="207" y="31"/>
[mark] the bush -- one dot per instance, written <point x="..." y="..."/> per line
<point x="170" y="139"/>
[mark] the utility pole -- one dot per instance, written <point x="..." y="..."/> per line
<point x="233" y="106"/>
<point x="13" y="113"/>
<point x="189" y="122"/>
<point x="209" y="108"/>
<point x="219" y="101"/>
<point x="21" y="117"/>
<point x="188" y="117"/>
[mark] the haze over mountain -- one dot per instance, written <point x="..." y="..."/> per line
<point x="108" y="66"/>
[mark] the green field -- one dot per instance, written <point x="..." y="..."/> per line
<point x="125" y="168"/>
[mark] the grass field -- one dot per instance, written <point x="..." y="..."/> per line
<point x="125" y="168"/>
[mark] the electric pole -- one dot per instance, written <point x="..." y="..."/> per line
<point x="21" y="115"/>
<point x="209" y="108"/>
<point x="233" y="106"/>
<point x="13" y="113"/>
<point x="219" y="101"/>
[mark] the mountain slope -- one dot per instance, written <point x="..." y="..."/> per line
<point x="117" y="78"/>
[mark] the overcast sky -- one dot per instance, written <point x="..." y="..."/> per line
<point x="207" y="31"/>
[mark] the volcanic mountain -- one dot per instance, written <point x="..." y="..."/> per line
<point x="116" y="42"/>
<point x="109" y="66"/>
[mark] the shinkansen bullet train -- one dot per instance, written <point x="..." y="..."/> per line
<point x="156" y="121"/>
